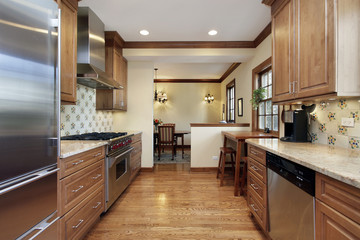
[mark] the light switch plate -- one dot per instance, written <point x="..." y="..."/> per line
<point x="347" y="122"/>
<point x="216" y="158"/>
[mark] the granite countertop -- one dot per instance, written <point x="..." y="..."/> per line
<point x="339" y="163"/>
<point x="71" y="147"/>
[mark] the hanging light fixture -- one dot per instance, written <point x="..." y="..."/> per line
<point x="158" y="95"/>
<point x="156" y="92"/>
<point x="209" y="98"/>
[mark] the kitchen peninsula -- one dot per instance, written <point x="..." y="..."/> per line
<point x="206" y="140"/>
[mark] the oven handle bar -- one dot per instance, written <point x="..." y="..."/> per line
<point x="116" y="154"/>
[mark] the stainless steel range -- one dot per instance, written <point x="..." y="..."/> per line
<point x="117" y="161"/>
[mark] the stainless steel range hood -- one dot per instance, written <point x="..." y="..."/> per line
<point x="91" y="52"/>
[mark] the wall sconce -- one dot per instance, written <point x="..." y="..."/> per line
<point x="162" y="97"/>
<point x="209" y="98"/>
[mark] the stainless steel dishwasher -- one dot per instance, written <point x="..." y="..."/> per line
<point x="291" y="189"/>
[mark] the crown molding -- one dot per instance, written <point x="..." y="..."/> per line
<point x="229" y="71"/>
<point x="187" y="81"/>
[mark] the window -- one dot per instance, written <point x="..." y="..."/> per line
<point x="267" y="114"/>
<point x="230" y="102"/>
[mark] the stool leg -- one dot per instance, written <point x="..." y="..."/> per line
<point x="222" y="169"/>
<point x="243" y="178"/>
<point x="219" y="166"/>
<point x="233" y="162"/>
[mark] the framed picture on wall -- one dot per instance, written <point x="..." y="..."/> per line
<point x="240" y="107"/>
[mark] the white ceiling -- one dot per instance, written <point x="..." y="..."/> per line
<point x="184" y="20"/>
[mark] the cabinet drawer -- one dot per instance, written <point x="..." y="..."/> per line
<point x="136" y="138"/>
<point x="76" y="187"/>
<point x="257" y="169"/>
<point x="257" y="210"/>
<point x="78" y="221"/>
<point x="74" y="163"/>
<point x="338" y="195"/>
<point x="137" y="148"/>
<point x="258" y="187"/>
<point x="257" y="154"/>
<point x="332" y="225"/>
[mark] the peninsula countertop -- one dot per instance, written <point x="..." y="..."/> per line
<point x="339" y="163"/>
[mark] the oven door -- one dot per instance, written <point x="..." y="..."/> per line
<point x="117" y="175"/>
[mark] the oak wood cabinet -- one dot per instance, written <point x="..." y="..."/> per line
<point x="337" y="215"/>
<point x="135" y="157"/>
<point x="68" y="50"/>
<point x="116" y="67"/>
<point x="81" y="192"/>
<point x="256" y="185"/>
<point x="315" y="49"/>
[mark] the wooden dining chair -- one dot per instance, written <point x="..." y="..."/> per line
<point x="175" y="137"/>
<point x="166" y="139"/>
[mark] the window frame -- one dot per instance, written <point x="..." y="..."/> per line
<point x="229" y="86"/>
<point x="256" y="79"/>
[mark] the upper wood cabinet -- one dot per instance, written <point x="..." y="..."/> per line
<point x="315" y="48"/>
<point x="68" y="50"/>
<point x="116" y="67"/>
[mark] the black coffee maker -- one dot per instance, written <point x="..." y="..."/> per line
<point x="296" y="126"/>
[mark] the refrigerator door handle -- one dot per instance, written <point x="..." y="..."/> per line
<point x="41" y="227"/>
<point x="26" y="180"/>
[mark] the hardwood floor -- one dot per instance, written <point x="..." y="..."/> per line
<point x="172" y="203"/>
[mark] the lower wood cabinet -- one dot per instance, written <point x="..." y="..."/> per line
<point x="135" y="162"/>
<point x="337" y="210"/>
<point x="77" y="222"/>
<point x="332" y="225"/>
<point x="256" y="185"/>
<point x="81" y="192"/>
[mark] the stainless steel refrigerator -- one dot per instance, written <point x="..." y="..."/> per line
<point x="29" y="113"/>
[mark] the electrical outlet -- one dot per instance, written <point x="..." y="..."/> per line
<point x="347" y="122"/>
<point x="216" y="158"/>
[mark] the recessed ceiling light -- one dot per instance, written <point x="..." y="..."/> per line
<point x="144" y="32"/>
<point x="212" y="32"/>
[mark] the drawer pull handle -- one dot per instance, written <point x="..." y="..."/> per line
<point x="97" y="205"/>
<point x="76" y="163"/>
<point x="98" y="154"/>
<point x="80" y="187"/>
<point x="254" y="168"/>
<point x="97" y="176"/>
<point x="253" y="186"/>
<point x="253" y="207"/>
<point x="80" y="222"/>
<point x="255" y="153"/>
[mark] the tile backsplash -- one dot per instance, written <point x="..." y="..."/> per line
<point x="325" y="123"/>
<point x="83" y="117"/>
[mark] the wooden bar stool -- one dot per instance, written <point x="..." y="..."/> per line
<point x="222" y="162"/>
<point x="243" y="178"/>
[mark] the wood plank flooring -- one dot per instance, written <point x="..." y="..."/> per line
<point x="172" y="203"/>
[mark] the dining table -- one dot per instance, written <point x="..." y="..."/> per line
<point x="177" y="134"/>
<point x="239" y="138"/>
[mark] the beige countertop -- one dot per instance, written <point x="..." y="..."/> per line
<point x="340" y="163"/>
<point x="71" y="147"/>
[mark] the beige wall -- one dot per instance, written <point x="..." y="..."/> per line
<point x="243" y="78"/>
<point x="140" y="108"/>
<point x="186" y="105"/>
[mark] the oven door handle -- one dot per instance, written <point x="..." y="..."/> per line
<point x="113" y="158"/>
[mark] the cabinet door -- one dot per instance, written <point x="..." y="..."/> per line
<point x="315" y="46"/>
<point x="124" y="83"/>
<point x="68" y="50"/>
<point x="283" y="52"/>
<point x="332" y="225"/>
<point x="120" y="75"/>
